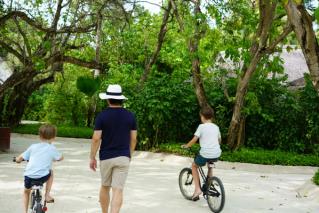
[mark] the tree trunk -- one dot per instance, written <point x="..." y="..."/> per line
<point x="160" y="40"/>
<point x="97" y="72"/>
<point x="16" y="99"/>
<point x="193" y="49"/>
<point x="233" y="130"/>
<point x="257" y="50"/>
<point x="301" y="21"/>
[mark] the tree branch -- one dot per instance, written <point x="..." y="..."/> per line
<point x="80" y="62"/>
<point x="271" y="48"/>
<point x="179" y="20"/>
<point x="25" y="39"/>
<point x="24" y="17"/>
<point x="160" y="40"/>
<point x="14" y="52"/>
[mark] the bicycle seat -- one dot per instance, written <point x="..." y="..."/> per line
<point x="36" y="183"/>
<point x="212" y="161"/>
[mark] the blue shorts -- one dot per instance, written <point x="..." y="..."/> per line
<point x="29" y="182"/>
<point x="201" y="161"/>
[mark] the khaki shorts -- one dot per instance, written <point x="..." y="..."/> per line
<point x="114" y="171"/>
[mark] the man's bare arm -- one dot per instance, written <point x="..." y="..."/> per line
<point x="96" y="141"/>
<point x="133" y="141"/>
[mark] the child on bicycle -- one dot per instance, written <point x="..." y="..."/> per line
<point x="40" y="157"/>
<point x="209" y="139"/>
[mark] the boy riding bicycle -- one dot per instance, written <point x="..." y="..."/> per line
<point x="40" y="157"/>
<point x="209" y="139"/>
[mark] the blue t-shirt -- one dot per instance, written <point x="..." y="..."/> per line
<point x="40" y="157"/>
<point x="116" y="125"/>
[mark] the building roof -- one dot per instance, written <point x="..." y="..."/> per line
<point x="294" y="64"/>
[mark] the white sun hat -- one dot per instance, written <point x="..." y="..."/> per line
<point x="114" y="91"/>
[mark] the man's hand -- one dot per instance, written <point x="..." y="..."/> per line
<point x="93" y="165"/>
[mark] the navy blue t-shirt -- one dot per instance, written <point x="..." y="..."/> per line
<point x="116" y="125"/>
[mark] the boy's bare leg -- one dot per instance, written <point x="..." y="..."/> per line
<point x="105" y="198"/>
<point x="26" y="197"/>
<point x="196" y="179"/>
<point x="48" y="187"/>
<point x="117" y="200"/>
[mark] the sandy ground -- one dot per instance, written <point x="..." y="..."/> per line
<point x="152" y="185"/>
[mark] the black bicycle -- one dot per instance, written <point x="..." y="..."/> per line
<point x="212" y="187"/>
<point x="36" y="203"/>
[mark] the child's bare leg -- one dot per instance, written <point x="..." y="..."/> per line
<point x="196" y="179"/>
<point x="26" y="197"/>
<point x="48" y="187"/>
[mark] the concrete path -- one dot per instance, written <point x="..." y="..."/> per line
<point x="152" y="184"/>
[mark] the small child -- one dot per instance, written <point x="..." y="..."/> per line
<point x="209" y="139"/>
<point x="40" y="157"/>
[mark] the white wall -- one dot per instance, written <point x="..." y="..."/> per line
<point x="5" y="71"/>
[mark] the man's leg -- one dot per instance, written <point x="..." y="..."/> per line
<point x="119" y="175"/>
<point x="26" y="197"/>
<point x="117" y="200"/>
<point x="48" y="187"/>
<point x="105" y="198"/>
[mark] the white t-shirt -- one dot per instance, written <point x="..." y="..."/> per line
<point x="209" y="135"/>
<point x="40" y="157"/>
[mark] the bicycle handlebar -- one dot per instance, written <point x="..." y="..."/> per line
<point x="15" y="159"/>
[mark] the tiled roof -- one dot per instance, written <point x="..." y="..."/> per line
<point x="294" y="64"/>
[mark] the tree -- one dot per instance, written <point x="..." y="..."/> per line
<point x="160" y="40"/>
<point x="302" y="21"/>
<point x="199" y="32"/>
<point x="47" y="39"/>
<point x="41" y="51"/>
<point x="262" y="45"/>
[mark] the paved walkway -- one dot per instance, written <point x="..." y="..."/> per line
<point x="152" y="184"/>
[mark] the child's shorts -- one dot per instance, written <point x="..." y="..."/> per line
<point x="201" y="161"/>
<point x="28" y="181"/>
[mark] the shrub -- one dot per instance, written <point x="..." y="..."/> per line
<point x="166" y="110"/>
<point x="63" y="131"/>
<point x="316" y="178"/>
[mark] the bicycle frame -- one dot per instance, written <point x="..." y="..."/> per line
<point x="36" y="199"/>
<point x="202" y="173"/>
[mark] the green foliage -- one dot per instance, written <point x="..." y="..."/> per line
<point x="35" y="109"/>
<point x="316" y="178"/>
<point x="317" y="14"/>
<point x="63" y="131"/>
<point x="88" y="85"/>
<point x="256" y="156"/>
<point x="285" y="120"/>
<point x="166" y="110"/>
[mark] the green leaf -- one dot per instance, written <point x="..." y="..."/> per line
<point x="317" y="14"/>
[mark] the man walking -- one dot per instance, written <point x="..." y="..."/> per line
<point x="115" y="134"/>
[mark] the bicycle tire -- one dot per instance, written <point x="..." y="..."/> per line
<point x="186" y="184"/>
<point x="32" y="202"/>
<point x="215" y="195"/>
<point x="39" y="208"/>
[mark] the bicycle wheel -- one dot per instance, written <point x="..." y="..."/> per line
<point x="186" y="184"/>
<point x="215" y="195"/>
<point x="32" y="202"/>
<point x="38" y="208"/>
